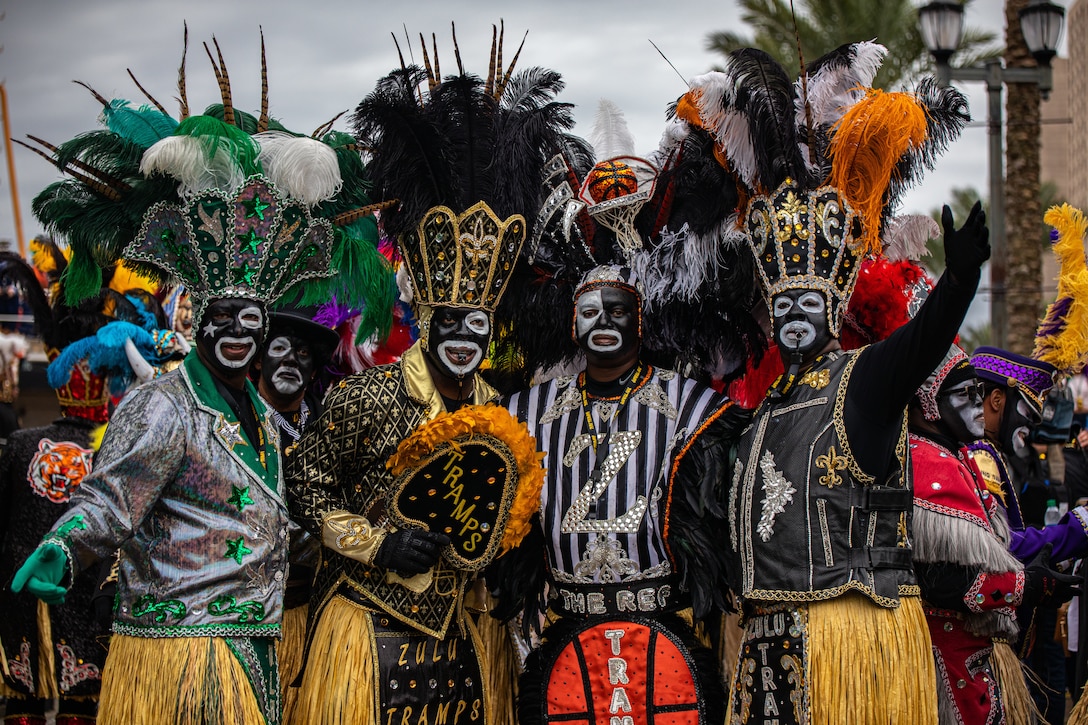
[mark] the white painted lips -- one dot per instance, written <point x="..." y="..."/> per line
<point x="461" y="356"/>
<point x="604" y="341"/>
<point x="235" y="352"/>
<point x="797" y="334"/>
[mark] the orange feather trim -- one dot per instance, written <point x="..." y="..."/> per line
<point x="489" y="420"/>
<point x="867" y="143"/>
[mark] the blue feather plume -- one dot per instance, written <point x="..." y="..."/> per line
<point x="143" y="125"/>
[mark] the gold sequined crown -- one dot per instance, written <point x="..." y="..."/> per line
<point x="462" y="260"/>
<point x="804" y="240"/>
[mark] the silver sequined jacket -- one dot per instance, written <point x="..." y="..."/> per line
<point x="196" y="511"/>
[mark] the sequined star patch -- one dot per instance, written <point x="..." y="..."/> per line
<point x="229" y="433"/>
<point x="237" y="549"/>
<point x="239" y="497"/>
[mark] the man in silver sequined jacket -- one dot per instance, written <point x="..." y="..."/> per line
<point x="187" y="485"/>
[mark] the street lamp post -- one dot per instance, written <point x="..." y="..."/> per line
<point x="942" y="29"/>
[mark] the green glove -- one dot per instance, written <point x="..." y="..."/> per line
<point x="42" y="573"/>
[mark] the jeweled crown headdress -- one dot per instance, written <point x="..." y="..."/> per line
<point x="464" y="157"/>
<point x="800" y="240"/>
<point x="820" y="163"/>
<point x="462" y="260"/>
<point x="255" y="243"/>
<point x="229" y="204"/>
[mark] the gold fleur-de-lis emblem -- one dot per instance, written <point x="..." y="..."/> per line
<point x="353" y="532"/>
<point x="831" y="462"/>
<point x="817" y="380"/>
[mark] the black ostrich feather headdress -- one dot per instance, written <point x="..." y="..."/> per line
<point x="464" y="157"/>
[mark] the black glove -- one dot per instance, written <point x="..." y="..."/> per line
<point x="966" y="248"/>
<point x="1044" y="586"/>
<point x="410" y="551"/>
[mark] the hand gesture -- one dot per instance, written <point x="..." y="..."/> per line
<point x="42" y="573"/>
<point x="410" y="551"/>
<point x="966" y="248"/>
<point x="1045" y="586"/>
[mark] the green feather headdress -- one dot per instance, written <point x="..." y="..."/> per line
<point x="226" y="203"/>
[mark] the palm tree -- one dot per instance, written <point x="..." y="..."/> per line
<point x="823" y="25"/>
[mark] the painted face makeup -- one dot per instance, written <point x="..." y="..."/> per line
<point x="458" y="339"/>
<point x="1016" y="427"/>
<point x="231" y="332"/>
<point x="287" y="365"/>
<point x="606" y="322"/>
<point x="961" y="411"/>
<point x="800" y="321"/>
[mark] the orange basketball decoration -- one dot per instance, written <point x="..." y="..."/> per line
<point x="623" y="671"/>
<point x="611" y="180"/>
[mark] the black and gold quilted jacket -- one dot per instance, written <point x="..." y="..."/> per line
<point x="339" y="465"/>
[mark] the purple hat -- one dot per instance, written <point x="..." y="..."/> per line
<point x="1034" y="378"/>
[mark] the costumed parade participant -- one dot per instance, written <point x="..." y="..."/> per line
<point x="50" y="650"/>
<point x="820" y="500"/>
<point x="395" y="631"/>
<point x="187" y="482"/>
<point x="632" y="449"/>
<point x="288" y="367"/>
<point x="970" y="582"/>
<point x="288" y="370"/>
<point x="1016" y="387"/>
<point x="629" y="543"/>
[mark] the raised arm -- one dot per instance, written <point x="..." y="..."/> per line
<point x="889" y="372"/>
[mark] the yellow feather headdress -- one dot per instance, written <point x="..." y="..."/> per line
<point x="1062" y="336"/>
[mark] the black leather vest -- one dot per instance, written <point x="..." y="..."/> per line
<point x="805" y="522"/>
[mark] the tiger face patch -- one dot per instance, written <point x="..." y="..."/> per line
<point x="58" y="468"/>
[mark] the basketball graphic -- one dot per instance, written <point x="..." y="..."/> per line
<point x="610" y="180"/>
<point x="622" y="671"/>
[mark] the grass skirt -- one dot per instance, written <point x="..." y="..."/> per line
<point x="175" y="681"/>
<point x="863" y="664"/>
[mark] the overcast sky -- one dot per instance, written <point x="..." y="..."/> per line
<point x="325" y="55"/>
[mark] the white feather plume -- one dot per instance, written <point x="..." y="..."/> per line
<point x="905" y="236"/>
<point x="729" y="128"/>
<point x="184" y="158"/>
<point x="610" y="136"/>
<point x="404" y="285"/>
<point x="303" y="167"/>
<point x="676" y="130"/>
<point x="834" y="89"/>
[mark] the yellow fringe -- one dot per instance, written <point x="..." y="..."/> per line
<point x="290" y="650"/>
<point x="869" y="665"/>
<point x="732" y="638"/>
<point x="1079" y="714"/>
<point x="175" y="681"/>
<point x="47" y="663"/>
<point x="1066" y="345"/>
<point x="339" y="683"/>
<point x="126" y="278"/>
<point x="866" y="145"/>
<point x="1020" y="709"/>
<point x="499" y="666"/>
